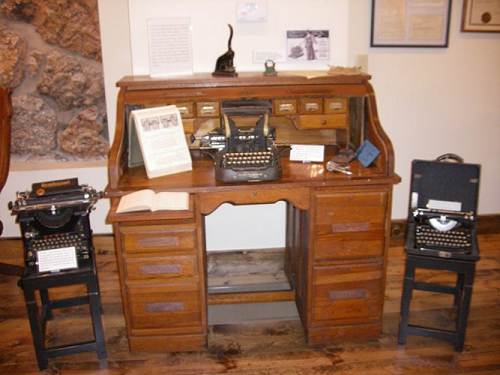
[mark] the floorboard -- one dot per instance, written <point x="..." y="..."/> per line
<point x="266" y="347"/>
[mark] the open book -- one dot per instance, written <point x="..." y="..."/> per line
<point x="148" y="200"/>
<point x="162" y="140"/>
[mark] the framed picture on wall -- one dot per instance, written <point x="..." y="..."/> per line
<point x="410" y="23"/>
<point x="481" y="16"/>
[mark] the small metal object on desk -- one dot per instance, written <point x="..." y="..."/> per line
<point x="331" y="166"/>
<point x="270" y="68"/>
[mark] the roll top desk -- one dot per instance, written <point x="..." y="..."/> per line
<point x="337" y="230"/>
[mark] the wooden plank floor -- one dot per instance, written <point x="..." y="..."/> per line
<point x="266" y="347"/>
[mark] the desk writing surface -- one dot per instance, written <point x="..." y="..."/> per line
<point x="295" y="174"/>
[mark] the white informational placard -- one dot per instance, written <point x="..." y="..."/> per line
<point x="57" y="259"/>
<point x="170" y="46"/>
<point x="307" y="153"/>
<point x="251" y="11"/>
<point x="162" y="140"/>
<point x="308" y="45"/>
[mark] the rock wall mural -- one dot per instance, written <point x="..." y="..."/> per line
<point x="50" y="55"/>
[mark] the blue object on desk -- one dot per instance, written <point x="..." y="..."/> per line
<point x="367" y="153"/>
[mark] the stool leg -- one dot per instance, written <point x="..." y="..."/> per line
<point x="44" y="297"/>
<point x="463" y="308"/>
<point x="459" y="286"/>
<point x="405" y="301"/>
<point x="36" y="328"/>
<point x="95" y="311"/>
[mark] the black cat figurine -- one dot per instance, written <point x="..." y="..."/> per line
<point x="224" y="65"/>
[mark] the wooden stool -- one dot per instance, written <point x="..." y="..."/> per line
<point x="465" y="270"/>
<point x="43" y="282"/>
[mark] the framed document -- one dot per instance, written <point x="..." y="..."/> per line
<point x="481" y="16"/>
<point x="410" y="23"/>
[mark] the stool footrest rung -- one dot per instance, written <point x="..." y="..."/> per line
<point x="69" y="302"/>
<point x="56" y="351"/>
<point x="430" y="287"/>
<point x="443" y="334"/>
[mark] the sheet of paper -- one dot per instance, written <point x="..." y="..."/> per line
<point x="307" y="153"/>
<point x="170" y="46"/>
<point x="57" y="259"/>
<point x="444" y="205"/>
<point x="171" y="200"/>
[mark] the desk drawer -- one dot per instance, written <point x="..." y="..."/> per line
<point x="165" y="268"/>
<point x="347" y="293"/>
<point x="349" y="225"/>
<point x="349" y="211"/>
<point x="158" y="307"/>
<point x="158" y="238"/>
<point x="349" y="246"/>
<point x="333" y="121"/>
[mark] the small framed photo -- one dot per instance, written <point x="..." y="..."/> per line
<point x="410" y="23"/>
<point x="481" y="16"/>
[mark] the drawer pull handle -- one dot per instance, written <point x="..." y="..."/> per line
<point x="158" y="241"/>
<point x="286" y="107"/>
<point x="156" y="269"/>
<point x="336" y="295"/>
<point x="208" y="110"/>
<point x="164" y="307"/>
<point x="183" y="110"/>
<point x="312" y="107"/>
<point x="350" y="227"/>
<point x="335" y="106"/>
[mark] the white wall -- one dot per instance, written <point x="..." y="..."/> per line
<point x="433" y="101"/>
<point x="209" y="21"/>
<point x="430" y="101"/>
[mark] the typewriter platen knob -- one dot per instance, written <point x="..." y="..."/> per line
<point x="29" y="235"/>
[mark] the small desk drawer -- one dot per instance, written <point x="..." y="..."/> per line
<point x="185" y="109"/>
<point x="207" y="109"/>
<point x="158" y="238"/>
<point x="285" y="106"/>
<point x="157" y="308"/>
<point x="169" y="267"/>
<point x="347" y="293"/>
<point x="335" y="105"/>
<point x="334" y="121"/>
<point x="311" y="105"/>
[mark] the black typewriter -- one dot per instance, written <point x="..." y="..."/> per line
<point x="54" y="221"/>
<point x="247" y="152"/>
<point x="442" y="217"/>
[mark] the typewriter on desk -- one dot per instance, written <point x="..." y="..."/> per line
<point x="55" y="227"/>
<point x="245" y="143"/>
<point x="442" y="215"/>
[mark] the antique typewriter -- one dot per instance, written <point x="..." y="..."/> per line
<point x="442" y="216"/>
<point x="54" y="221"/>
<point x="245" y="141"/>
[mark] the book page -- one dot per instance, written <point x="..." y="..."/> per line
<point x="141" y="200"/>
<point x="171" y="201"/>
<point x="161" y="137"/>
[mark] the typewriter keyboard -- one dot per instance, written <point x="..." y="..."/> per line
<point x="247" y="160"/>
<point x="60" y="240"/>
<point x="454" y="240"/>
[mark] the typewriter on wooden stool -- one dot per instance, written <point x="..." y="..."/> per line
<point x="247" y="151"/>
<point x="55" y="225"/>
<point x="442" y="215"/>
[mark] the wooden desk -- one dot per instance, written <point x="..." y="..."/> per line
<point x="337" y="225"/>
